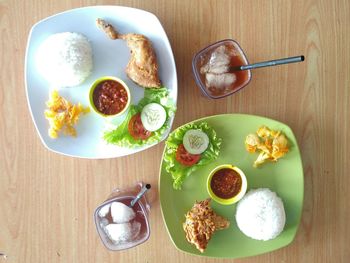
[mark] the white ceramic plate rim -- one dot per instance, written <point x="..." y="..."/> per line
<point x="167" y="45"/>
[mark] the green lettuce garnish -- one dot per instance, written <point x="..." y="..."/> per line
<point x="178" y="171"/>
<point x="121" y="136"/>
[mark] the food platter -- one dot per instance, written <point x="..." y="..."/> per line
<point x="110" y="59"/>
<point x="284" y="177"/>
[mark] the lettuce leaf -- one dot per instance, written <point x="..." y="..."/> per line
<point x="121" y="136"/>
<point x="178" y="171"/>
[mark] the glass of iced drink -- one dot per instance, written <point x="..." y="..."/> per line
<point x="213" y="69"/>
<point x="119" y="225"/>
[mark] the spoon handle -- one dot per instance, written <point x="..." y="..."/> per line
<point x="273" y="63"/>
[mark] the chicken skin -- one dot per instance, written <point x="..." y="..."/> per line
<point x="142" y="67"/>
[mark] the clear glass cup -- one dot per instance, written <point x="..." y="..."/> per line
<point x="237" y="59"/>
<point x="141" y="209"/>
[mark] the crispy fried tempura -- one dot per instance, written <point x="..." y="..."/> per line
<point x="252" y="141"/>
<point x="263" y="132"/>
<point x="62" y="115"/>
<point x="201" y="222"/>
<point x="271" y="144"/>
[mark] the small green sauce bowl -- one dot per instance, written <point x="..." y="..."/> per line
<point x="233" y="199"/>
<point x="91" y="93"/>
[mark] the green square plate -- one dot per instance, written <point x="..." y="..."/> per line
<point x="284" y="177"/>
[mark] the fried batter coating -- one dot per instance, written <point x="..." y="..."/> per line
<point x="142" y="67"/>
<point x="201" y="223"/>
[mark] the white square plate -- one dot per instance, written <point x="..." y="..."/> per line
<point x="110" y="57"/>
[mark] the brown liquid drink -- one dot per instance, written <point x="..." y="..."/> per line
<point x="120" y="226"/>
<point x="213" y="69"/>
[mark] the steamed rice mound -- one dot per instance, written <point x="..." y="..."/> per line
<point x="65" y="59"/>
<point x="260" y="214"/>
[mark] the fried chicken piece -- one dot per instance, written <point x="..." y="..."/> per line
<point x="220" y="222"/>
<point x="107" y="28"/>
<point x="142" y="67"/>
<point x="201" y="223"/>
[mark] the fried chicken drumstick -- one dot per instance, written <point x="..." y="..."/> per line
<point x="142" y="67"/>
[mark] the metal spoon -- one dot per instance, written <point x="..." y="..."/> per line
<point x="144" y="189"/>
<point x="269" y="63"/>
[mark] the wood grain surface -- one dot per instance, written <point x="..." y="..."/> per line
<point x="47" y="200"/>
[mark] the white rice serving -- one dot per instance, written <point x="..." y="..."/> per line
<point x="260" y="214"/>
<point x="65" y="59"/>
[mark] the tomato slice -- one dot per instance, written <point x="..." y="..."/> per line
<point x="136" y="129"/>
<point x="185" y="158"/>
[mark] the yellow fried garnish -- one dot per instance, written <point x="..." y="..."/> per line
<point x="252" y="141"/>
<point x="271" y="144"/>
<point x="63" y="115"/>
<point x="263" y="157"/>
<point x="263" y="132"/>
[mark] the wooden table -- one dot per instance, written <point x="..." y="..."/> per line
<point x="47" y="200"/>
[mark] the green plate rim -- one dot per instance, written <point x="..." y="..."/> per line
<point x="296" y="146"/>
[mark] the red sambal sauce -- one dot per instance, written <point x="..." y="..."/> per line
<point x="226" y="183"/>
<point x="110" y="97"/>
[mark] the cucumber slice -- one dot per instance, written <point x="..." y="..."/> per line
<point x="195" y="141"/>
<point x="153" y="116"/>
